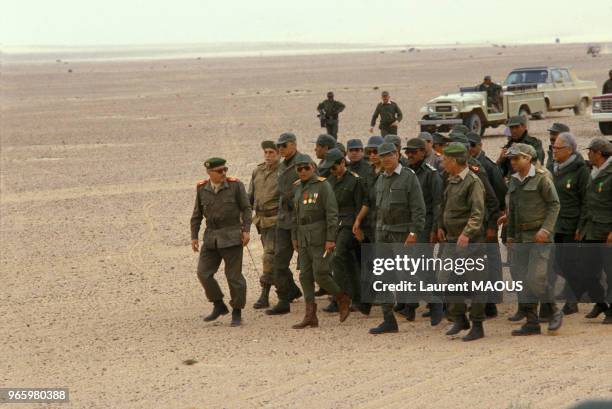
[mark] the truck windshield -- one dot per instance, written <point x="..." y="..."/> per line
<point x="527" y="77"/>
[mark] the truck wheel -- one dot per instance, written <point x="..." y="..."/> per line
<point x="474" y="123"/>
<point x="581" y="108"/>
<point x="605" y="128"/>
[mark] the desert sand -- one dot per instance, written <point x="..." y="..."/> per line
<point x="100" y="295"/>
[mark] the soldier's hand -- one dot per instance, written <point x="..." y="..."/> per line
<point x="329" y="246"/>
<point x="246" y="236"/>
<point x="609" y="239"/>
<point x="502" y="219"/>
<point x="410" y="240"/>
<point x="356" y="227"/>
<point x="441" y="235"/>
<point x="541" y="236"/>
<point x="502" y="155"/>
<point x="577" y="236"/>
<point x="395" y="124"/>
<point x="463" y="241"/>
<point x="371" y="130"/>
<point x="358" y="234"/>
<point x="294" y="243"/>
<point x="195" y="245"/>
<point x="491" y="235"/>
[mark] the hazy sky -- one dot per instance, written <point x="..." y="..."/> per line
<point x="126" y="22"/>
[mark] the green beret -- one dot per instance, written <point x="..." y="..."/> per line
<point x="268" y="145"/>
<point x="415" y="144"/>
<point x="456" y="150"/>
<point x="326" y="140"/>
<point x="212" y="163"/>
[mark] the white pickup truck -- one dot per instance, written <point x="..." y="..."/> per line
<point x="602" y="113"/>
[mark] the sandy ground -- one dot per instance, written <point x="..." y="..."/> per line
<point x="99" y="288"/>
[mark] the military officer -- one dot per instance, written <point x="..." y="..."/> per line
<point x="315" y="223"/>
<point x="358" y="163"/>
<point x="224" y="203"/>
<point x="461" y="225"/>
<point x="493" y="91"/>
<point x="264" y="196"/>
<point x="397" y="141"/>
<point x="390" y="116"/>
<point x="595" y="225"/>
<point x="532" y="213"/>
<point x="400" y="213"/>
<point x="323" y="144"/>
<point x="329" y="110"/>
<point x="518" y="134"/>
<point x="286" y="288"/>
<point x="553" y="132"/>
<point x="432" y="157"/>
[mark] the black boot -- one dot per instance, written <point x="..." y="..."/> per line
<point x="364" y="308"/>
<point x="398" y="307"/>
<point x="263" y="301"/>
<point x="570" y="308"/>
<point x="476" y="332"/>
<point x="461" y="323"/>
<point x="332" y="307"/>
<point x="556" y="319"/>
<point x="518" y="316"/>
<point x="546" y="312"/>
<point x="597" y="310"/>
<point x="219" y="309"/>
<point x="282" y="307"/>
<point x="320" y="292"/>
<point x="528" y="328"/>
<point x="388" y="325"/>
<point x="436" y="313"/>
<point x="490" y="310"/>
<point x="294" y="293"/>
<point x="236" y="317"/>
<point x="427" y="312"/>
<point x="409" y="312"/>
<point x="608" y="318"/>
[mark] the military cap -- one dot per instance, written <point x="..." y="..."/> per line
<point x="439" y="139"/>
<point x="460" y="128"/>
<point x="331" y="157"/>
<point x="415" y="144"/>
<point x="303" y="159"/>
<point x="386" y="148"/>
<point x="286" y="137"/>
<point x="354" y="144"/>
<point x="458" y="137"/>
<point x="516" y="120"/>
<point x="426" y="136"/>
<point x="600" y="145"/>
<point x="455" y="149"/>
<point x="487" y="78"/>
<point x="473" y="137"/>
<point x="374" y="142"/>
<point x="394" y="139"/>
<point x="340" y="147"/>
<point x="521" y="149"/>
<point x="326" y="140"/>
<point x="212" y="163"/>
<point x="268" y="145"/>
<point x="558" y="128"/>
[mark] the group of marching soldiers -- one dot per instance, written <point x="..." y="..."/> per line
<point x="434" y="189"/>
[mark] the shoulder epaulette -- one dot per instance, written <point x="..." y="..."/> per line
<point x="231" y="179"/>
<point x="297" y="182"/>
<point x="202" y="182"/>
<point x="540" y="170"/>
<point x="430" y="167"/>
<point x="410" y="169"/>
<point x="321" y="178"/>
<point x="354" y="174"/>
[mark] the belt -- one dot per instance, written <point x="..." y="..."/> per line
<point x="266" y="213"/>
<point x="530" y="225"/>
<point x="350" y="210"/>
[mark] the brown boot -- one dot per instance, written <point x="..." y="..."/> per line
<point x="344" y="306"/>
<point x="310" y="319"/>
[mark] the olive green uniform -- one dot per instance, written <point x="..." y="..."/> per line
<point x="264" y="198"/>
<point x="228" y="213"/>
<point x="533" y="205"/>
<point x="463" y="212"/>
<point x="389" y="113"/>
<point x="330" y="110"/>
<point x="493" y="94"/>
<point x="315" y="221"/>
<point x="431" y="185"/>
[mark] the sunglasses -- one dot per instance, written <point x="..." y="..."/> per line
<point x="355" y="150"/>
<point x="371" y="152"/>
<point x="220" y="170"/>
<point x="472" y="144"/>
<point x="302" y="168"/>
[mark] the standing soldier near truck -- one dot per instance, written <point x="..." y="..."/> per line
<point x="329" y="110"/>
<point x="390" y="116"/>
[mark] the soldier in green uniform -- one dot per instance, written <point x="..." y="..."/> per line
<point x="328" y="111"/>
<point x="365" y="222"/>
<point x="532" y="213"/>
<point x="323" y="144"/>
<point x="286" y="288"/>
<point x="224" y="203"/>
<point x="493" y="91"/>
<point x="518" y="134"/>
<point x="400" y="213"/>
<point x="390" y="116"/>
<point x="397" y="141"/>
<point x="315" y="223"/>
<point x="358" y="163"/>
<point x="461" y="225"/>
<point x="553" y="132"/>
<point x="595" y="225"/>
<point x="431" y="156"/>
<point x="263" y="196"/>
<point x="431" y="185"/>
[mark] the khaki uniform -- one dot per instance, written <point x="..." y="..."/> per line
<point x="264" y="198"/>
<point x="228" y="213"/>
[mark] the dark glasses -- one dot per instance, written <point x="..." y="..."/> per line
<point x="220" y="170"/>
<point x="371" y="151"/>
<point x="302" y="168"/>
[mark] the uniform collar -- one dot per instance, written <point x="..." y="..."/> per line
<point x="464" y="172"/>
<point x="397" y="170"/>
<point x="531" y="173"/>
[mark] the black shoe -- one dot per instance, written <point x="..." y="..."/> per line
<point x="608" y="318"/>
<point x="597" y="310"/>
<point x="427" y="313"/>
<point x="332" y="307"/>
<point x="518" y="316"/>
<point x="555" y="321"/>
<point x="264" y="300"/>
<point x="490" y="310"/>
<point x="461" y="323"/>
<point x="364" y="308"/>
<point x="219" y="309"/>
<point x="236" y="317"/>
<point x="282" y="307"/>
<point x="294" y="293"/>
<point x="527" y="329"/>
<point x="320" y="292"/>
<point x="389" y="325"/>
<point x="570" y="308"/>
<point x="408" y="312"/>
<point x="436" y="313"/>
<point x="476" y="332"/>
<point x="546" y="312"/>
